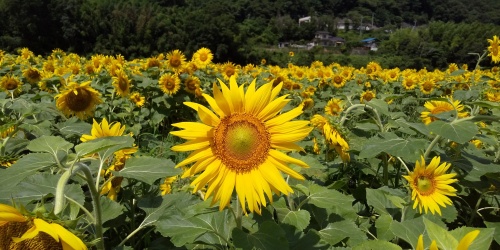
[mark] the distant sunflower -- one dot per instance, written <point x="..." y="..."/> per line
<point x="192" y="83"/>
<point x="428" y="86"/>
<point x="176" y="60"/>
<point x="436" y="107"/>
<point x="367" y="96"/>
<point x="337" y="141"/>
<point x="291" y="53"/>
<point x="24" y="232"/>
<point x="11" y="84"/>
<point x="430" y="185"/>
<point x="410" y="82"/>
<point x="78" y="99"/>
<point x="103" y="129"/>
<point x="338" y="81"/>
<point x="334" y="107"/>
<point x="138" y="99"/>
<point x="169" y="83"/>
<point x="166" y="186"/>
<point x="33" y="75"/>
<point x="263" y="61"/>
<point x="493" y="96"/>
<point x="308" y="103"/>
<point x="228" y="69"/>
<point x="493" y="49"/>
<point x="202" y="58"/>
<point x="121" y="82"/>
<point x="237" y="144"/>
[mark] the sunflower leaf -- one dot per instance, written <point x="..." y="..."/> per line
<point x="269" y="236"/>
<point x="410" y="150"/>
<point x="338" y="231"/>
<point x="105" y="146"/>
<point x="460" y="132"/>
<point x="483" y="239"/>
<point x="377" y="244"/>
<point x="49" y="144"/>
<point x="441" y="235"/>
<point x="148" y="169"/>
<point x="408" y="230"/>
<point x="24" y="167"/>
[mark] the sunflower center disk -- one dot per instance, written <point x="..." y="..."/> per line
<point x="79" y="99"/>
<point x="242" y="142"/>
<point x="425" y="185"/>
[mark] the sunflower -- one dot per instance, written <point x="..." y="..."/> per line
<point x="494" y="49"/>
<point x="367" y="96"/>
<point x="308" y="103"/>
<point x="121" y="83"/>
<point x="318" y="121"/>
<point x="430" y="185"/>
<point x="428" y="86"/>
<point x="237" y="147"/>
<point x="166" y="186"/>
<point x="202" y="58"/>
<point x="11" y="84"/>
<point x="78" y="99"/>
<point x="103" y="129"/>
<point x="263" y="61"/>
<point x="33" y="75"/>
<point x="176" y="60"/>
<point x="336" y="140"/>
<point x="137" y="99"/>
<point x="20" y="232"/>
<point x="228" y="69"/>
<point x="463" y="244"/>
<point x="192" y="83"/>
<point x="316" y="146"/>
<point x="436" y="107"/>
<point x="410" y="81"/>
<point x="334" y="107"/>
<point x="493" y="96"/>
<point x="338" y="81"/>
<point x="291" y="53"/>
<point x="169" y="83"/>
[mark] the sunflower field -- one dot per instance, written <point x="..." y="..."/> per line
<point x="168" y="152"/>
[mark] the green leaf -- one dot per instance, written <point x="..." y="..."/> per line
<point x="332" y="199"/>
<point x="496" y="227"/>
<point x="483" y="239"/>
<point x="383" y="226"/>
<point x="155" y="206"/>
<point x="39" y="129"/>
<point x="269" y="236"/>
<point x="441" y="235"/>
<point x="148" y="169"/>
<point x="299" y="219"/>
<point x="24" y="167"/>
<point x="49" y="144"/>
<point x="460" y="132"/>
<point x="408" y="230"/>
<point x="380" y="105"/>
<point x="338" y="231"/>
<point x="73" y="126"/>
<point x="377" y="244"/>
<point x="390" y="143"/>
<point x="110" y="209"/>
<point x="105" y="146"/>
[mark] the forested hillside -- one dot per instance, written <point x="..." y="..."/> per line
<point x="231" y="29"/>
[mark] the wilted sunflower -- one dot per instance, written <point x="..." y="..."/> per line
<point x="121" y="82"/>
<point x="20" y="232"/>
<point x="202" y="58"/>
<point x="169" y="83"/>
<point x="175" y="60"/>
<point x="137" y="99"/>
<point x="78" y="99"/>
<point x="436" y="107"/>
<point x="334" y="107"/>
<point x="237" y="144"/>
<point x="430" y="185"/>
<point x="493" y="49"/>
<point x="33" y="75"/>
<point x="337" y="142"/>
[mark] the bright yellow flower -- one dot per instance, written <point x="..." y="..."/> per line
<point x="334" y="107"/>
<point x="318" y="121"/>
<point x="176" y="60"/>
<point x="166" y="186"/>
<point x="121" y="82"/>
<point x="436" y="107"/>
<point x="430" y="185"/>
<point x="20" y="232"/>
<point x="202" y="58"/>
<point x="10" y="83"/>
<point x="236" y="146"/>
<point x="335" y="140"/>
<point x="169" y="83"/>
<point x="78" y="99"/>
<point x="192" y="83"/>
<point x="228" y="69"/>
<point x="427" y="86"/>
<point x="463" y="244"/>
<point x="33" y="75"/>
<point x="493" y="49"/>
<point x="137" y="99"/>
<point x="367" y="96"/>
<point x="103" y="129"/>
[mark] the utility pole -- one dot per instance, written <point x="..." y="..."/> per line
<point x="360" y="29"/>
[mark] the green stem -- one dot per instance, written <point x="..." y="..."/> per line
<point x="238" y="216"/>
<point x="289" y="197"/>
<point x="87" y="212"/>
<point x="404" y="164"/>
<point x="429" y="148"/>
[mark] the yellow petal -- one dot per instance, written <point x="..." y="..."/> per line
<point x="273" y="108"/>
<point x="213" y="104"/>
<point x="221" y="100"/>
<point x="192" y="145"/>
<point x="285" y="158"/>
<point x="433" y="246"/>
<point x="260" y="99"/>
<point x="467" y="240"/>
<point x="197" y="155"/>
<point x="206" y="116"/>
<point x="285" y="117"/>
<point x="8" y="213"/>
<point x="69" y="241"/>
<point x="420" y="243"/>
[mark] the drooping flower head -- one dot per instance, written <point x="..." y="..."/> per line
<point x="430" y="185"/>
<point x="10" y="84"/>
<point x="78" y="99"/>
<point x="237" y="144"/>
<point x="20" y="232"/>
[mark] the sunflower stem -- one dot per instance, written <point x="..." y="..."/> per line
<point x="289" y="197"/>
<point x="404" y="164"/>
<point x="97" y="205"/>
<point x="429" y="148"/>
<point x="238" y="216"/>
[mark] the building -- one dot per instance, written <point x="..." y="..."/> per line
<point x="324" y="38"/>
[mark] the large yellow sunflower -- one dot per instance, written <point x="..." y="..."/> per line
<point x="430" y="185"/>
<point x="20" y="232"/>
<point x="176" y="60"/>
<point x="202" y="58"/>
<point x="33" y="75"/>
<point x="169" y="83"/>
<point x="436" y="107"/>
<point x="78" y="99"/>
<point x="236" y="145"/>
<point x="493" y="49"/>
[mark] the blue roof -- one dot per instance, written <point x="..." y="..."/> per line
<point x="371" y="39"/>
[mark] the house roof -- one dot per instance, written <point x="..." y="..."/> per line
<point x="371" y="39"/>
